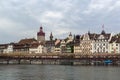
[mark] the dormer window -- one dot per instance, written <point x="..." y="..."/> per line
<point x="101" y="37"/>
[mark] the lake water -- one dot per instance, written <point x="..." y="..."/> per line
<point x="58" y="72"/>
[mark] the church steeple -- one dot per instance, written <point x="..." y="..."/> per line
<point x="51" y="36"/>
<point x="70" y="36"/>
<point x="88" y="32"/>
<point x="103" y="31"/>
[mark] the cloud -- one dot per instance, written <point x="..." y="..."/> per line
<point x="51" y="14"/>
<point x="22" y="18"/>
<point x="99" y="5"/>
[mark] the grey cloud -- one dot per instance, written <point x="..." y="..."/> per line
<point x="57" y="16"/>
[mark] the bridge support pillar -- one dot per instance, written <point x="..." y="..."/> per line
<point x="30" y="61"/>
<point x="7" y="61"/>
<point x="19" y="61"/>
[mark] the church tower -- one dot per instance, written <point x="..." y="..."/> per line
<point x="70" y="36"/>
<point x="51" y="37"/>
<point x="41" y="35"/>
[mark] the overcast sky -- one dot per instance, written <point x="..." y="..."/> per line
<point x="21" y="19"/>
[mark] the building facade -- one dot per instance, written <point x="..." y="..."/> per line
<point x="57" y="46"/>
<point x="101" y="42"/>
<point x="50" y="44"/>
<point x="36" y="48"/>
<point x="114" y="45"/>
<point x="86" y="43"/>
<point x="77" y="44"/>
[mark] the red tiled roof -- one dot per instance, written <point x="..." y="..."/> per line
<point x="27" y="41"/>
<point x="3" y="46"/>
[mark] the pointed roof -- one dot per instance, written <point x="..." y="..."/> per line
<point x="103" y="31"/>
<point x="51" y="36"/>
<point x="70" y="34"/>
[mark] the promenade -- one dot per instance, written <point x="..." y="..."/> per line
<point x="64" y="58"/>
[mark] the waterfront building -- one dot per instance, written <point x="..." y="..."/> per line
<point x="57" y="46"/>
<point x="70" y="47"/>
<point x="86" y="43"/>
<point x="63" y="46"/>
<point x="70" y="44"/>
<point x="6" y="48"/>
<point x="9" y="48"/>
<point x="101" y="42"/>
<point x="114" y="45"/>
<point x="41" y="35"/>
<point x="2" y="47"/>
<point x="23" y="45"/>
<point x="36" y="48"/>
<point x="77" y="44"/>
<point x="50" y="44"/>
<point x="67" y="45"/>
<point x="21" y="48"/>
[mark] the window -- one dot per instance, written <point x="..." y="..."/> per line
<point x="103" y="44"/>
<point x="116" y="44"/>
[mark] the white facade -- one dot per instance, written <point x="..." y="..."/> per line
<point x="38" y="49"/>
<point x="114" y="48"/>
<point x="101" y="44"/>
<point x="9" y="49"/>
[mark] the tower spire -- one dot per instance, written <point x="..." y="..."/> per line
<point x="70" y="34"/>
<point x="103" y="31"/>
<point x="51" y="36"/>
<point x="103" y="27"/>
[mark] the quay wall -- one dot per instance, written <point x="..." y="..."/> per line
<point x="65" y="58"/>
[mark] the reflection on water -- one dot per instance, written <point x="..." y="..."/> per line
<point x="58" y="72"/>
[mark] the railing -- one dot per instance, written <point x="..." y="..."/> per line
<point x="59" y="57"/>
<point x="58" y="54"/>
